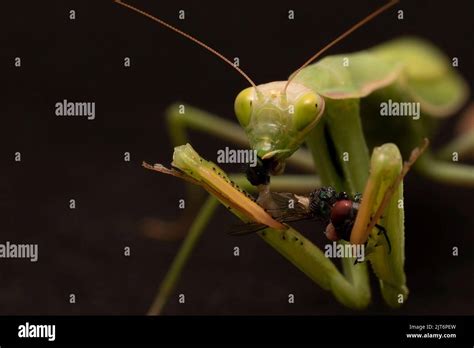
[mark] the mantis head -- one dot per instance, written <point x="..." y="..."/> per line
<point x="277" y="121"/>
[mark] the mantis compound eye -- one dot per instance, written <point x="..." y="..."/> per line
<point x="308" y="109"/>
<point x="243" y="106"/>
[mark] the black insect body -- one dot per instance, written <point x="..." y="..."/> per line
<point x="260" y="173"/>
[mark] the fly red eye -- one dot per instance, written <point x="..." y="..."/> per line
<point x="341" y="211"/>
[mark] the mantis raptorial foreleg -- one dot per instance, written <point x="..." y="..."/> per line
<point x="352" y="290"/>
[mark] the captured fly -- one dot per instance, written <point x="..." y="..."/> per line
<point x="337" y="210"/>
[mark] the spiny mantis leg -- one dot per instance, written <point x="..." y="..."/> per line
<point x="382" y="195"/>
<point x="356" y="236"/>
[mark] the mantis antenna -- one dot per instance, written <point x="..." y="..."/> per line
<point x="188" y="36"/>
<point x="339" y="38"/>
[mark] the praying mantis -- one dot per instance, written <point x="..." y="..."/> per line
<point x="331" y="106"/>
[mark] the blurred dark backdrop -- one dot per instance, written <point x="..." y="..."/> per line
<point x="81" y="250"/>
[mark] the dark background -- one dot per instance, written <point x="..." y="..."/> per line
<point x="81" y="250"/>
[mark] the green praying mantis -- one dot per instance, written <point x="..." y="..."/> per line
<point x="333" y="106"/>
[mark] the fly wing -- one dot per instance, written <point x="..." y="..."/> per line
<point x="285" y="207"/>
<point x="283" y="203"/>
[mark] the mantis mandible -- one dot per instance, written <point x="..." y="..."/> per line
<point x="320" y="104"/>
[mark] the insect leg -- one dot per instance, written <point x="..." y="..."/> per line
<point x="384" y="231"/>
<point x="356" y="260"/>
